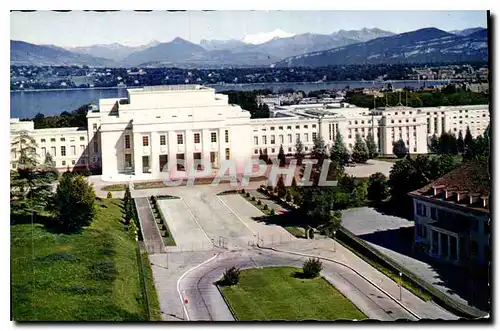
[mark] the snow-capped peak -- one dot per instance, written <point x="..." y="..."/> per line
<point x="262" y="37"/>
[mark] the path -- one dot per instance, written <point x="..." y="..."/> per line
<point x="152" y="238"/>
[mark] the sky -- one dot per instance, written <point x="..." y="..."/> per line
<point x="78" y="28"/>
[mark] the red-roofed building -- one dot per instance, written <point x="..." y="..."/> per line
<point x="452" y="215"/>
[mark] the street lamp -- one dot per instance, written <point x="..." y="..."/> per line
<point x="334" y="247"/>
<point x="400" y="286"/>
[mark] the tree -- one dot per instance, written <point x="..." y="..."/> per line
<point x="280" y="185"/>
<point x="447" y="144"/>
<point x="371" y="146"/>
<point x="359" y="194"/>
<point x="128" y="205"/>
<point x="346" y="184"/>
<point x="338" y="153"/>
<point x="281" y="157"/>
<point x="460" y="143"/>
<point x="30" y="190"/>
<point x="261" y="156"/>
<point x="319" y="151"/>
<point x="434" y="144"/>
<point x="294" y="184"/>
<point x="231" y="276"/>
<point x="316" y="206"/>
<point x="333" y="224"/>
<point x="377" y="187"/>
<point x="74" y="202"/>
<point x="360" y="151"/>
<point x="299" y="151"/>
<point x="49" y="161"/>
<point x="468" y="140"/>
<point x="312" y="268"/>
<point x="23" y="146"/>
<point x="399" y="149"/>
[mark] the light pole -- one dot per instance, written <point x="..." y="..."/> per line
<point x="400" y="286"/>
<point x="334" y="247"/>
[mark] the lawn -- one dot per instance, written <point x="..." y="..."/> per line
<point x="296" y="231"/>
<point x="114" y="187"/>
<point x="89" y="276"/>
<point x="276" y="294"/>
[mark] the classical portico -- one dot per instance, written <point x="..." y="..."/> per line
<point x="445" y="245"/>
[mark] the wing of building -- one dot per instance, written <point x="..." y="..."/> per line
<point x="135" y="137"/>
<point x="452" y="215"/>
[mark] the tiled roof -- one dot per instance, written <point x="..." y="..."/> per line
<point x="467" y="186"/>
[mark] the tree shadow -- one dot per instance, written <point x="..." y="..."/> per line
<point x="299" y="275"/>
<point x="289" y="218"/>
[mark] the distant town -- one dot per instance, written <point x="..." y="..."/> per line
<point x="70" y="77"/>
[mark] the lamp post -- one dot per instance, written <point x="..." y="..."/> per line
<point x="334" y="247"/>
<point x="400" y="286"/>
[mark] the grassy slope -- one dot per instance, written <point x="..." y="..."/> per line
<point x="275" y="294"/>
<point x="91" y="276"/>
<point x="114" y="187"/>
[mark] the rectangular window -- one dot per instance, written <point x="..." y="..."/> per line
<point x="145" y="164"/>
<point x="256" y="151"/>
<point x="73" y="150"/>
<point x="264" y="140"/>
<point x="128" y="160"/>
<point x="180" y="139"/>
<point x="305" y="126"/>
<point x="434" y="214"/>
<point x="255" y="140"/>
<point x="289" y="138"/>
<point x="272" y="128"/>
<point x="94" y="126"/>
<point x="73" y="162"/>
<point x="53" y="151"/>
<point x="314" y="136"/>
<point x="281" y="138"/>
<point x="314" y="126"/>
<point x="145" y="141"/>
<point x="163" y="140"/>
<point x="273" y="140"/>
<point x="289" y="127"/>
<point x="63" y="163"/>
<point x="52" y="140"/>
<point x="306" y="137"/>
<point x="63" y="139"/>
<point x="213" y="137"/>
<point x="297" y="126"/>
<point x="196" y="138"/>
<point x="42" y="141"/>
<point x="82" y="138"/>
<point x="297" y="136"/>
<point x="44" y="152"/>
<point x="127" y="141"/>
<point x="289" y="149"/>
<point x="228" y="154"/>
<point x="226" y="136"/>
<point x="273" y="151"/>
<point x="63" y="150"/>
<point x="280" y="128"/>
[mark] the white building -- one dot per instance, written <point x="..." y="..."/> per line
<point x="133" y="138"/>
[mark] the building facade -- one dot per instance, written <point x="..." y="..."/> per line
<point x="134" y="138"/>
<point x="452" y="216"/>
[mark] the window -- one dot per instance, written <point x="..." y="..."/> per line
<point x="82" y="138"/>
<point x="256" y="151"/>
<point x="392" y="121"/>
<point x="226" y="136"/>
<point x="289" y="127"/>
<point x="264" y="140"/>
<point x="228" y="154"/>
<point x="280" y="128"/>
<point x="53" y="151"/>
<point x="63" y="163"/>
<point x="314" y="135"/>
<point x="289" y="138"/>
<point x="255" y="140"/>
<point x="163" y="140"/>
<point x="63" y="150"/>
<point x="486" y="228"/>
<point x="73" y="150"/>
<point x="305" y="126"/>
<point x="297" y="126"/>
<point x="52" y="140"/>
<point x="272" y="128"/>
<point x="273" y="140"/>
<point x="196" y="138"/>
<point x="145" y="164"/>
<point x="180" y="139"/>
<point x="297" y="136"/>
<point x="281" y="138"/>
<point x="127" y="141"/>
<point x="306" y="148"/>
<point x="73" y="162"/>
<point x="314" y="126"/>
<point x="63" y="139"/>
<point x="213" y="137"/>
<point x="421" y="209"/>
<point x="96" y="147"/>
<point x="42" y="141"/>
<point x="289" y="149"/>
<point x="44" y="152"/>
<point x="273" y="150"/>
<point x="306" y="137"/>
<point x="128" y="160"/>
<point x="145" y="141"/>
<point x="94" y="126"/>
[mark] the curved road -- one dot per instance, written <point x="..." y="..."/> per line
<point x="205" y="303"/>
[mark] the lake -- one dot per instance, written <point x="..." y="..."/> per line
<point x="28" y="103"/>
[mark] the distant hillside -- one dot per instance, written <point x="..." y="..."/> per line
<point x="424" y="45"/>
<point x="466" y="32"/>
<point x="23" y="53"/>
<point x="114" y="51"/>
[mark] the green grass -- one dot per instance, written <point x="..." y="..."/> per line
<point x="266" y="212"/>
<point x="296" y="231"/>
<point x="150" y="287"/>
<point x="89" y="276"/>
<point x="275" y="294"/>
<point x="393" y="275"/>
<point x="114" y="187"/>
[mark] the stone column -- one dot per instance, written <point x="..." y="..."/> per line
<point x="154" y="161"/>
<point x="137" y="154"/>
<point x="439" y="244"/>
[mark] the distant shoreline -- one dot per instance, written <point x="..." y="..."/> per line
<point x="347" y="82"/>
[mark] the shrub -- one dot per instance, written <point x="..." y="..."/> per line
<point x="265" y="207"/>
<point x="259" y="202"/>
<point x="312" y="268"/>
<point x="109" y="195"/>
<point x="132" y="229"/>
<point x="311" y="233"/>
<point x="243" y="190"/>
<point x="153" y="200"/>
<point x="272" y="212"/>
<point x="231" y="276"/>
<point x="247" y="195"/>
<point x="253" y="198"/>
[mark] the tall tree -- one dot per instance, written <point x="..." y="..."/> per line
<point x="299" y="151"/>
<point x="360" y="151"/>
<point x="282" y="157"/>
<point x="339" y="152"/>
<point x="460" y="143"/>
<point x="281" y="188"/>
<point x="468" y="140"/>
<point x="49" y="161"/>
<point x="377" y="187"/>
<point x="399" y="149"/>
<point x="447" y="144"/>
<point x="23" y="148"/>
<point x="319" y="151"/>
<point x="333" y="224"/>
<point x="434" y="144"/>
<point x="75" y="203"/>
<point x="372" y="146"/>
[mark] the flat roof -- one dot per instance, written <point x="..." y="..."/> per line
<point x="184" y="87"/>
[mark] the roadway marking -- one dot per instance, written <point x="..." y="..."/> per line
<point x="183" y="275"/>
<point x="232" y="211"/>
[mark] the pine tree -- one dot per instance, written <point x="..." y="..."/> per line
<point x="319" y="151"/>
<point x="282" y="157"/>
<point x="434" y="144"/>
<point x="338" y="153"/>
<point x="280" y="186"/>
<point x="294" y="184"/>
<point x="299" y="151"/>
<point x="49" y="161"/>
<point x="372" y="146"/>
<point x="24" y="148"/>
<point x="468" y="140"/>
<point x="399" y="149"/>
<point x="460" y="143"/>
<point x="360" y="151"/>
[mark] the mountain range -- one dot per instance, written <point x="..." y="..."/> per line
<point x="308" y="49"/>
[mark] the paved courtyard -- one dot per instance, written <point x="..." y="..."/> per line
<point x="371" y="167"/>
